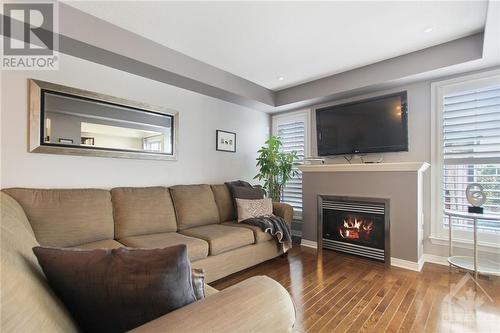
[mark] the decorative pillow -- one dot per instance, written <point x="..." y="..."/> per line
<point x="116" y="290"/>
<point x="238" y="183"/>
<point x="243" y="190"/>
<point x="249" y="193"/>
<point x="198" y="275"/>
<point x="253" y="208"/>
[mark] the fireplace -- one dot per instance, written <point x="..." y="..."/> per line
<point x="357" y="226"/>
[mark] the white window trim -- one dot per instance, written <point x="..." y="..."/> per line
<point x="439" y="235"/>
<point x="291" y="116"/>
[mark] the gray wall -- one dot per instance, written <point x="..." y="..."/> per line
<point x="419" y="141"/>
<point x="199" y="117"/>
<point x="64" y="126"/>
<point x="419" y="132"/>
<point x="399" y="187"/>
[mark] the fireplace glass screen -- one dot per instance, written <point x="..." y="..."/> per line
<point x="356" y="228"/>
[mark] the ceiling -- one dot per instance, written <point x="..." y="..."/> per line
<point x="296" y="41"/>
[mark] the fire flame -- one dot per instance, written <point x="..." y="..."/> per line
<point x="356" y="229"/>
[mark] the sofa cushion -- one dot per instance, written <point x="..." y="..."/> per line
<point x="116" y="290"/>
<point x="224" y="202"/>
<point x="142" y="211"/>
<point x="221" y="238"/>
<point x="67" y="217"/>
<point x="28" y="304"/>
<point x="197" y="248"/>
<point x="260" y="236"/>
<point x="102" y="244"/>
<point x="257" y="304"/>
<point x="194" y="205"/>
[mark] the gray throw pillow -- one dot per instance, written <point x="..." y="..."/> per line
<point x="116" y="290"/>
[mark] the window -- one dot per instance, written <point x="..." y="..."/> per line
<point x="466" y="150"/>
<point x="292" y="128"/>
<point x="153" y="143"/>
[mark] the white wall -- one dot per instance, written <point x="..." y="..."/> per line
<point x="199" y="117"/>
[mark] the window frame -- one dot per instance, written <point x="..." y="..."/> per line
<point x="301" y="115"/>
<point x="439" y="234"/>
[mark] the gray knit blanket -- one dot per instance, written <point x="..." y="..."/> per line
<point x="276" y="226"/>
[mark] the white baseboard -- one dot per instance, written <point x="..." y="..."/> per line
<point x="411" y="265"/>
<point x="406" y="264"/>
<point x="436" y="259"/>
<point x="308" y="243"/>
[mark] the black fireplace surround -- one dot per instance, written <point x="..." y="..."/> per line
<point x="358" y="226"/>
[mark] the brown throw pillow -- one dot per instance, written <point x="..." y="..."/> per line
<point x="199" y="283"/>
<point x="254" y="208"/>
<point x="243" y="190"/>
<point x="116" y="290"/>
<point x="249" y="193"/>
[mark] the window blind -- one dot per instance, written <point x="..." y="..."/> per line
<point x="292" y="134"/>
<point x="471" y="126"/>
<point x="471" y="152"/>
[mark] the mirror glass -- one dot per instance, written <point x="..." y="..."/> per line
<point x="70" y="121"/>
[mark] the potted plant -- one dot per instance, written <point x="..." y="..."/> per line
<point x="275" y="167"/>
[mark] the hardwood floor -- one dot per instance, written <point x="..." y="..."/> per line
<point x="334" y="292"/>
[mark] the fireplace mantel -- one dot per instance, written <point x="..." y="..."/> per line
<point x="381" y="167"/>
<point x="400" y="183"/>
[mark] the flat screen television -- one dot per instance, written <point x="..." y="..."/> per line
<point x="373" y="125"/>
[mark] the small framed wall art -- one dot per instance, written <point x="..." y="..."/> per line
<point x="226" y="141"/>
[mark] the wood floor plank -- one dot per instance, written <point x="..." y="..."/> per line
<point x="391" y="309"/>
<point x="348" y="320"/>
<point x="335" y="292"/>
<point x="320" y="315"/>
<point x="345" y="310"/>
<point x="371" y="306"/>
<point x="424" y="312"/>
<point x="404" y="307"/>
<point x="414" y="308"/>
<point x="372" y="321"/>
<point x="432" y="322"/>
<point x="333" y="311"/>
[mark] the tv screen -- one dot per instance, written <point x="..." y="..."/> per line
<point x="373" y="125"/>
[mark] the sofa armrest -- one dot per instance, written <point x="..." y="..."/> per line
<point x="258" y="304"/>
<point x="283" y="210"/>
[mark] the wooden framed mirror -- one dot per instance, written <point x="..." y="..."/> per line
<point x="65" y="120"/>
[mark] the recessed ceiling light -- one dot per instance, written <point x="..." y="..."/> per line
<point x="281" y="78"/>
<point x="427" y="30"/>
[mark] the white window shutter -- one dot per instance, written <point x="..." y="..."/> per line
<point x="471" y="126"/>
<point x="471" y="152"/>
<point x="293" y="130"/>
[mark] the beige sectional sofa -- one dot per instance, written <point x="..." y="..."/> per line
<point x="200" y="216"/>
